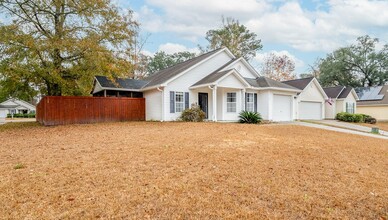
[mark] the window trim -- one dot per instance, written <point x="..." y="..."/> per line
<point x="252" y="102"/>
<point x="182" y="103"/>
<point x="235" y="102"/>
<point x="350" y="107"/>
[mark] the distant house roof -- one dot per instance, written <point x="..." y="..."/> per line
<point x="120" y="83"/>
<point x="345" y="93"/>
<point x="375" y="95"/>
<point x="337" y="92"/>
<point x="17" y="103"/>
<point x="164" y="75"/>
<point x="7" y="106"/>
<point x="263" y="82"/>
<point x="299" y="83"/>
<point x="333" y="92"/>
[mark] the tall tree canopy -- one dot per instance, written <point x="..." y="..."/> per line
<point x="278" y="67"/>
<point x="356" y="65"/>
<point x="162" y="60"/>
<point x="59" y="45"/>
<point x="236" y="37"/>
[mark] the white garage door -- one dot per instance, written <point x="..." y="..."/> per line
<point x="310" y="110"/>
<point x="281" y="108"/>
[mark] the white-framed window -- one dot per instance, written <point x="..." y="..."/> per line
<point x="350" y="107"/>
<point x="250" y="102"/>
<point x="231" y="102"/>
<point x="179" y="102"/>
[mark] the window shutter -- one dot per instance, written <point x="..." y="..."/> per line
<point x="246" y="100"/>
<point x="255" y="101"/>
<point x="354" y="110"/>
<point x="186" y="100"/>
<point x="172" y="102"/>
<point x="347" y="107"/>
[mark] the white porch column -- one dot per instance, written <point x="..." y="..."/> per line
<point x="243" y="91"/>
<point x="214" y="103"/>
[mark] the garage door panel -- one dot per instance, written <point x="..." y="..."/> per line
<point x="282" y="106"/>
<point x="310" y="110"/>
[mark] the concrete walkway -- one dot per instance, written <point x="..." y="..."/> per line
<point x="350" y="126"/>
<point x="9" y="120"/>
<point x="343" y="130"/>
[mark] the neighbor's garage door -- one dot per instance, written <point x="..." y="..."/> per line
<point x="310" y="110"/>
<point x="281" y="108"/>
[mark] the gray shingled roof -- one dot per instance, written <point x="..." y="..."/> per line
<point x="345" y="93"/>
<point x="211" y="78"/>
<point x="120" y="83"/>
<point x="168" y="73"/>
<point x="263" y="82"/>
<point x="299" y="83"/>
<point x="382" y="101"/>
<point x="333" y="92"/>
<point x="9" y="106"/>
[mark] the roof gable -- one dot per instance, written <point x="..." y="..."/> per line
<point x="299" y="83"/>
<point x="245" y="63"/>
<point x="345" y="93"/>
<point x="168" y="74"/>
<point x="216" y="77"/>
<point x="333" y="92"/>
<point x="12" y="103"/>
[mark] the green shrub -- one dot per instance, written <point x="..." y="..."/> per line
<point x="250" y="117"/>
<point x="193" y="114"/>
<point x="348" y="117"/>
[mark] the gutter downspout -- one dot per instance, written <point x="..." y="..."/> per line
<point x="161" y="89"/>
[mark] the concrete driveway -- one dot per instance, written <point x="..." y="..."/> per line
<point x="350" y="126"/>
<point x="343" y="127"/>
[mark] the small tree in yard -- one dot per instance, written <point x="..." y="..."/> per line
<point x="193" y="114"/>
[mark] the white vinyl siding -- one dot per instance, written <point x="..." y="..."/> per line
<point x="250" y="102"/>
<point x="231" y="102"/>
<point x="179" y="102"/>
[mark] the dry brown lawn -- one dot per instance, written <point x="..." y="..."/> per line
<point x="150" y="170"/>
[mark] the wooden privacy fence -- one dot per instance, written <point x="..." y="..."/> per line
<point x="60" y="110"/>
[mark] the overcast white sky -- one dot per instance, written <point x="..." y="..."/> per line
<point x="304" y="30"/>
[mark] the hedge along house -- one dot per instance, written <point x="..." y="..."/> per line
<point x="341" y="99"/>
<point x="221" y="84"/>
<point x="373" y="101"/>
<point x="310" y="102"/>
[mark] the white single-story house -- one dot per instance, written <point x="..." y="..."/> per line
<point x="341" y="99"/>
<point x="3" y="114"/>
<point x="373" y="101"/>
<point x="16" y="106"/>
<point x="310" y="103"/>
<point x="222" y="85"/>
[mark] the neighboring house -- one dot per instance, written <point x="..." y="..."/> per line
<point x="3" y="113"/>
<point x="341" y="99"/>
<point x="221" y="84"/>
<point x="16" y="106"/>
<point x="310" y="103"/>
<point x="373" y="101"/>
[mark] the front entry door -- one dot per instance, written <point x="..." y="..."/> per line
<point x="203" y="102"/>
